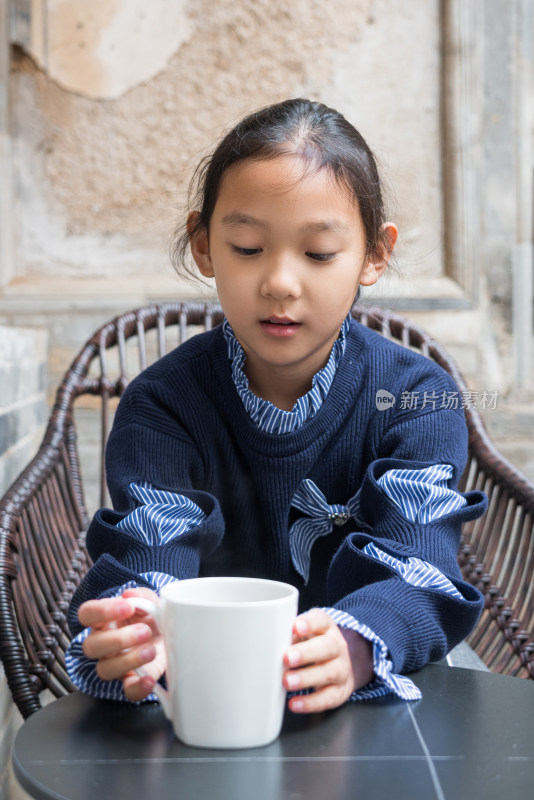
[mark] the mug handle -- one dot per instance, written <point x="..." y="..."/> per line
<point x="144" y="604"/>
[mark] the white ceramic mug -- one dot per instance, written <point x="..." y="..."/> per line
<point x="225" y="639"/>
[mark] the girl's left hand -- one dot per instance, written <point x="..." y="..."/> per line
<point x="333" y="661"/>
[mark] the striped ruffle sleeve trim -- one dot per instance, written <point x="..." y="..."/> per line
<point x="414" y="570"/>
<point x="161" y="516"/>
<point x="423" y="495"/>
<point x="82" y="670"/>
<point x="386" y="681"/>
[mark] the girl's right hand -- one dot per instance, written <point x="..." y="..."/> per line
<point x="121" y="640"/>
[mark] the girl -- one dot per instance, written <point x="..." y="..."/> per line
<point x="261" y="447"/>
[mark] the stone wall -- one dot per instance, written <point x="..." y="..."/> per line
<point x="23" y="413"/>
<point x="113" y="104"/>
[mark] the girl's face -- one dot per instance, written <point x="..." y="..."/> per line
<point x="287" y="251"/>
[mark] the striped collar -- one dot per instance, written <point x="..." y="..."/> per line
<point x="264" y="414"/>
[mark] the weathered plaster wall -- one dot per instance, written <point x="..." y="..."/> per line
<point x="119" y="100"/>
<point x="94" y="48"/>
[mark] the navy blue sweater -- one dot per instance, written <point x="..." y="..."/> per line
<point x="182" y="426"/>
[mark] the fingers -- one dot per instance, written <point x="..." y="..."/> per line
<point x="120" y="650"/>
<point x="318" y="659"/>
<point x="316" y="638"/>
<point x="95" y="613"/>
<point x="105" y="643"/>
<point x="313" y="651"/>
<point x="141" y="591"/>
<point x="120" y="643"/>
<point x="321" y="700"/>
<point x="312" y="623"/>
<point x="137" y="687"/>
<point x="119" y="665"/>
<point x="326" y="674"/>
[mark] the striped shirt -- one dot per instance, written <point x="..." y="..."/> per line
<point x="264" y="414"/>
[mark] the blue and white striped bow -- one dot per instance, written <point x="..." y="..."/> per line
<point x="319" y="519"/>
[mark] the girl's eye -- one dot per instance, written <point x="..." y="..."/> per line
<point x="246" y="251"/>
<point x="321" y="256"/>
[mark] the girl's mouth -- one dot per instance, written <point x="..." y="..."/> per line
<point x="279" y="326"/>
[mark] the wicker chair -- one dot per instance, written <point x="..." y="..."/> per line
<point x="44" y="515"/>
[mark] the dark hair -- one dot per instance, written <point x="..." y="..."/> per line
<point x="320" y="134"/>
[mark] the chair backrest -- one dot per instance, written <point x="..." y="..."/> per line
<point x="44" y="515"/>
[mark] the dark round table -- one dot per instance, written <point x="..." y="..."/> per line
<point x="470" y="737"/>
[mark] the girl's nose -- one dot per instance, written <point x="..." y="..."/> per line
<point x="281" y="280"/>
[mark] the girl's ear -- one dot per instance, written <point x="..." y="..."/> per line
<point x="378" y="261"/>
<point x="199" y="243"/>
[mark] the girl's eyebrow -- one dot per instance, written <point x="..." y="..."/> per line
<point x="238" y="218"/>
<point x="325" y="225"/>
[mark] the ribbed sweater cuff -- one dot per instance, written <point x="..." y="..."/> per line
<point x="418" y="625"/>
<point x="390" y="624"/>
